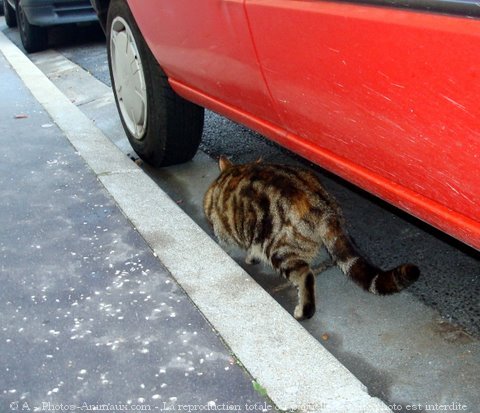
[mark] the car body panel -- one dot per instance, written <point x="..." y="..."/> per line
<point x="392" y="91"/>
<point x="210" y="47"/>
<point x="384" y="97"/>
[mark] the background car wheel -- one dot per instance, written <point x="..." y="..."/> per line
<point x="10" y="17"/>
<point x="163" y="128"/>
<point x="34" y="38"/>
<point x="1" y="8"/>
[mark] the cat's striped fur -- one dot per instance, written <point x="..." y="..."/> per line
<point x="283" y="215"/>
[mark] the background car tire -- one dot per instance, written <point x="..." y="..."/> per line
<point x="10" y="17"/>
<point x="163" y="128"/>
<point x="34" y="38"/>
<point x="1" y="8"/>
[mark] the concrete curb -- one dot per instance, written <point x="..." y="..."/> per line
<point x="296" y="371"/>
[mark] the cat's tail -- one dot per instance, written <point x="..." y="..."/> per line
<point x="356" y="267"/>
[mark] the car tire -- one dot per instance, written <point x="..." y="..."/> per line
<point x="34" y="38"/>
<point x="10" y="17"/>
<point x="162" y="127"/>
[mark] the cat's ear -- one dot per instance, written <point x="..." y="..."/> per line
<point x="224" y="163"/>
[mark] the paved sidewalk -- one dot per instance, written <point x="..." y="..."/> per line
<point x="89" y="316"/>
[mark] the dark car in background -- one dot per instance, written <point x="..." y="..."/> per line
<point x="33" y="18"/>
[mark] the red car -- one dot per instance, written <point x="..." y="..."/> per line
<point x="385" y="93"/>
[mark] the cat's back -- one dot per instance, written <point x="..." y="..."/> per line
<point x="289" y="188"/>
<point x="269" y="205"/>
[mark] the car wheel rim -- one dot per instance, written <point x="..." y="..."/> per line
<point x="128" y="78"/>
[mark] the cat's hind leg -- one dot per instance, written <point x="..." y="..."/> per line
<point x="305" y="283"/>
<point x="298" y="272"/>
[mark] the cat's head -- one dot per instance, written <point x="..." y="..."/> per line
<point x="224" y="163"/>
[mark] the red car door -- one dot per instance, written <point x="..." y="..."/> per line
<point x="205" y="48"/>
<point x="386" y="97"/>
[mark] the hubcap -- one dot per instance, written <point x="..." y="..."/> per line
<point x="128" y="78"/>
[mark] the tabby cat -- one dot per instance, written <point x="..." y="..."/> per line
<point x="282" y="215"/>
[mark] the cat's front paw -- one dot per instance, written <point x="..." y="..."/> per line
<point x="251" y="260"/>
